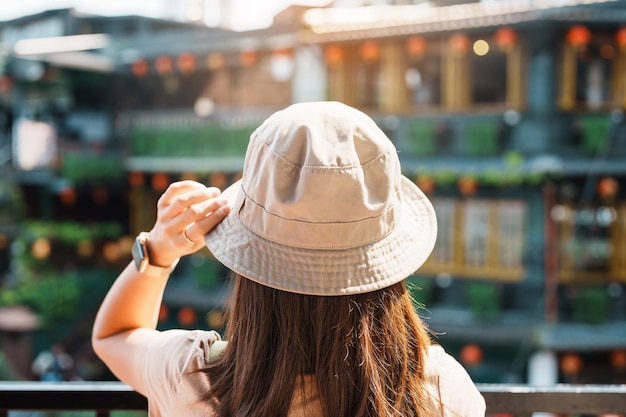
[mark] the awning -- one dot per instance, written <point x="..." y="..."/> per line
<point x="350" y="23"/>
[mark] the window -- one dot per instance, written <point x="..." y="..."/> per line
<point x="416" y="72"/>
<point x="476" y="221"/>
<point x="423" y="73"/>
<point x="482" y="70"/>
<point x="444" y="249"/>
<point x="592" y="242"/>
<point x="511" y="234"/>
<point x="593" y="76"/>
<point x="479" y="238"/>
<point x="367" y="85"/>
<point x="354" y="73"/>
<point x="368" y="75"/>
<point x="488" y="73"/>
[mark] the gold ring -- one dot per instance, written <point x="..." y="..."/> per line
<point x="191" y="242"/>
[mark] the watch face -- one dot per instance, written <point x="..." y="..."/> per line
<point x="139" y="253"/>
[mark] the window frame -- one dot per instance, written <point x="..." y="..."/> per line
<point x="393" y="62"/>
<point x="492" y="269"/>
<point x="567" y="274"/>
<point x="569" y="77"/>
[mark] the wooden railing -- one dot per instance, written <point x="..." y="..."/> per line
<point x="515" y="400"/>
<point x="524" y="400"/>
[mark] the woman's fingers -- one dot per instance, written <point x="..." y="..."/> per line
<point x="183" y="203"/>
<point x="194" y="233"/>
<point x="185" y="192"/>
<point x="191" y="207"/>
<point x="204" y="214"/>
<point x="186" y="211"/>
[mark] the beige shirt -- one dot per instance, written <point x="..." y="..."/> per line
<point x="172" y="392"/>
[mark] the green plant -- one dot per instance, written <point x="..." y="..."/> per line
<point x="210" y="139"/>
<point x="52" y="296"/>
<point x="50" y="286"/>
<point x="594" y="130"/>
<point x="423" y="137"/>
<point x="88" y="168"/>
<point x="483" y="299"/>
<point x="481" y="138"/>
<point x="590" y="304"/>
<point x="69" y="232"/>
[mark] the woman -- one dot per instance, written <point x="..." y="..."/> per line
<point x="320" y="233"/>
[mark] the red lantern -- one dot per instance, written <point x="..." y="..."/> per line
<point x="136" y="179"/>
<point x="164" y="65"/>
<point x="284" y="52"/>
<point x="471" y="355"/>
<point x="248" y="58"/>
<point x="164" y="313"/>
<point x="426" y="183"/>
<point x="140" y="68"/>
<point x="505" y="38"/>
<point x="571" y="364"/>
<point x="370" y="51"/>
<point x="68" y="196"/>
<point x="416" y="46"/>
<point x="333" y="55"/>
<point x="467" y="185"/>
<point x="160" y="182"/>
<point x="186" y="63"/>
<point x="608" y="187"/>
<point x="578" y="36"/>
<point x="620" y="38"/>
<point x="618" y="359"/>
<point x="459" y="42"/>
<point x="186" y="316"/>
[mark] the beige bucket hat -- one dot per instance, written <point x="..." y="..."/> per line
<point x="322" y="207"/>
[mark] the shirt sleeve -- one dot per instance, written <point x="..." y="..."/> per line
<point x="169" y="356"/>
<point x="450" y="387"/>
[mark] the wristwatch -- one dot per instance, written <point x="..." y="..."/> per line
<point x="142" y="259"/>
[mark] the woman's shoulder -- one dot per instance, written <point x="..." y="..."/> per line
<point x="180" y="350"/>
<point x="177" y="339"/>
<point x="439" y="358"/>
<point x="441" y="366"/>
<point x="451" y="386"/>
<point x="171" y="383"/>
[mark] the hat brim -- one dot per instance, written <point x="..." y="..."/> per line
<point x="329" y="272"/>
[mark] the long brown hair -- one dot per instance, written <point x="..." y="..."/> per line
<point x="366" y="352"/>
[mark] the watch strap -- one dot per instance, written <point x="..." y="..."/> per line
<point x="142" y="259"/>
<point x="158" y="271"/>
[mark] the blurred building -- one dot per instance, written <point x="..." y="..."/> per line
<point x="508" y="114"/>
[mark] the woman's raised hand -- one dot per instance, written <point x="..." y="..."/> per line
<point x="186" y="212"/>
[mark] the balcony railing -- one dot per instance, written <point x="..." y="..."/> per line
<point x="518" y="400"/>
